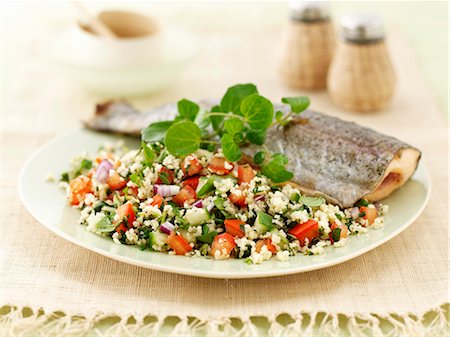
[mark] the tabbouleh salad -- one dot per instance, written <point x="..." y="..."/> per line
<point x="205" y="205"/>
<point x="189" y="190"/>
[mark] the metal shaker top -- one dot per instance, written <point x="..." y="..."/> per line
<point x="362" y="27"/>
<point x="309" y="11"/>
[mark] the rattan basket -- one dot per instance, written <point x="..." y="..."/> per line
<point x="361" y="76"/>
<point x="306" y="55"/>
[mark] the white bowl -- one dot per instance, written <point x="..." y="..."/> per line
<point x="124" y="66"/>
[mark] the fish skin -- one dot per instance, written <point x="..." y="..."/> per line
<point x="341" y="161"/>
<point x="329" y="157"/>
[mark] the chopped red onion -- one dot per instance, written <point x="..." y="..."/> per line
<point x="167" y="227"/>
<point x="102" y="172"/>
<point x="261" y="197"/>
<point x="354" y="212"/>
<point x="210" y="206"/>
<point x="166" y="190"/>
<point x="198" y="204"/>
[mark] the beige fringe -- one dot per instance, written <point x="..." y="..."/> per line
<point x="25" y="322"/>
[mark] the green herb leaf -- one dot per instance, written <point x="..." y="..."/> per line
<point x="258" y="111"/>
<point x="155" y="132"/>
<point x="207" y="236"/>
<point x="256" y="136"/>
<point x="64" y="177"/>
<point x="259" y="157"/>
<point x="231" y="101"/>
<point x="183" y="138"/>
<point x="135" y="178"/>
<point x="149" y="155"/>
<point x="233" y="126"/>
<point x="298" y="104"/>
<point x="188" y="109"/>
<point x="362" y="202"/>
<point x="280" y="158"/>
<point x="202" y="119"/>
<point x="217" y="121"/>
<point x="278" y="116"/>
<point x="230" y="149"/>
<point x="276" y="171"/>
<point x="164" y="177"/>
<point x="312" y="201"/>
<point x="336" y="234"/>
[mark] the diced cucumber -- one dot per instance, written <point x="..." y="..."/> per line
<point x="263" y="222"/>
<point x="205" y="185"/>
<point x="284" y="242"/>
<point x="157" y="240"/>
<point x="196" y="216"/>
<point x="189" y="236"/>
<point x="99" y="223"/>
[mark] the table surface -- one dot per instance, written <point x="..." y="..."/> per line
<point x="424" y="24"/>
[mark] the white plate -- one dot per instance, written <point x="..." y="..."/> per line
<point x="46" y="202"/>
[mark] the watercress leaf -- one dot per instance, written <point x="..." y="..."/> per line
<point x="279" y="158"/>
<point x="230" y="149"/>
<point x="312" y="201"/>
<point x="202" y="119"/>
<point x="278" y="115"/>
<point x="188" y="109"/>
<point x="231" y="101"/>
<point x="239" y="138"/>
<point x="233" y="126"/>
<point x="155" y="132"/>
<point x="149" y="155"/>
<point x="259" y="157"/>
<point x="258" y="111"/>
<point x="216" y="121"/>
<point x="276" y="171"/>
<point x="256" y="136"/>
<point x="298" y="104"/>
<point x="183" y="138"/>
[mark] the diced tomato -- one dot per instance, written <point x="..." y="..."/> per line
<point x="187" y="193"/>
<point x="115" y="181"/>
<point x="122" y="228"/>
<point x="245" y="173"/>
<point x="344" y="231"/>
<point x="126" y="211"/>
<point x="270" y="247"/>
<point x="191" y="181"/>
<point x="224" y="243"/>
<point x="233" y="227"/>
<point x="191" y="167"/>
<point x="220" y="166"/>
<point x="238" y="197"/>
<point x="79" y="187"/>
<point x="157" y="201"/>
<point x="178" y="243"/>
<point x="308" y="230"/>
<point x="165" y="176"/>
<point x="369" y="213"/>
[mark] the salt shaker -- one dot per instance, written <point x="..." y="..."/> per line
<point x="361" y="76"/>
<point x="308" y="46"/>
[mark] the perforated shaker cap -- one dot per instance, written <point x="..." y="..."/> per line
<point x="309" y="10"/>
<point x="362" y="27"/>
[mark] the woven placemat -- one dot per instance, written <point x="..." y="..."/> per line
<point x="400" y="282"/>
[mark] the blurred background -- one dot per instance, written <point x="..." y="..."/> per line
<point x="210" y="46"/>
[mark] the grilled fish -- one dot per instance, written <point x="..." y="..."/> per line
<point x="338" y="160"/>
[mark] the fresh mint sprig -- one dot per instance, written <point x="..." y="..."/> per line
<point x="243" y="117"/>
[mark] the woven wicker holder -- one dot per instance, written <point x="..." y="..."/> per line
<point x="307" y="53"/>
<point x="361" y="77"/>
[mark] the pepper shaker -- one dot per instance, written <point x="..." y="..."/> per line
<point x="361" y="76"/>
<point x="308" y="46"/>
